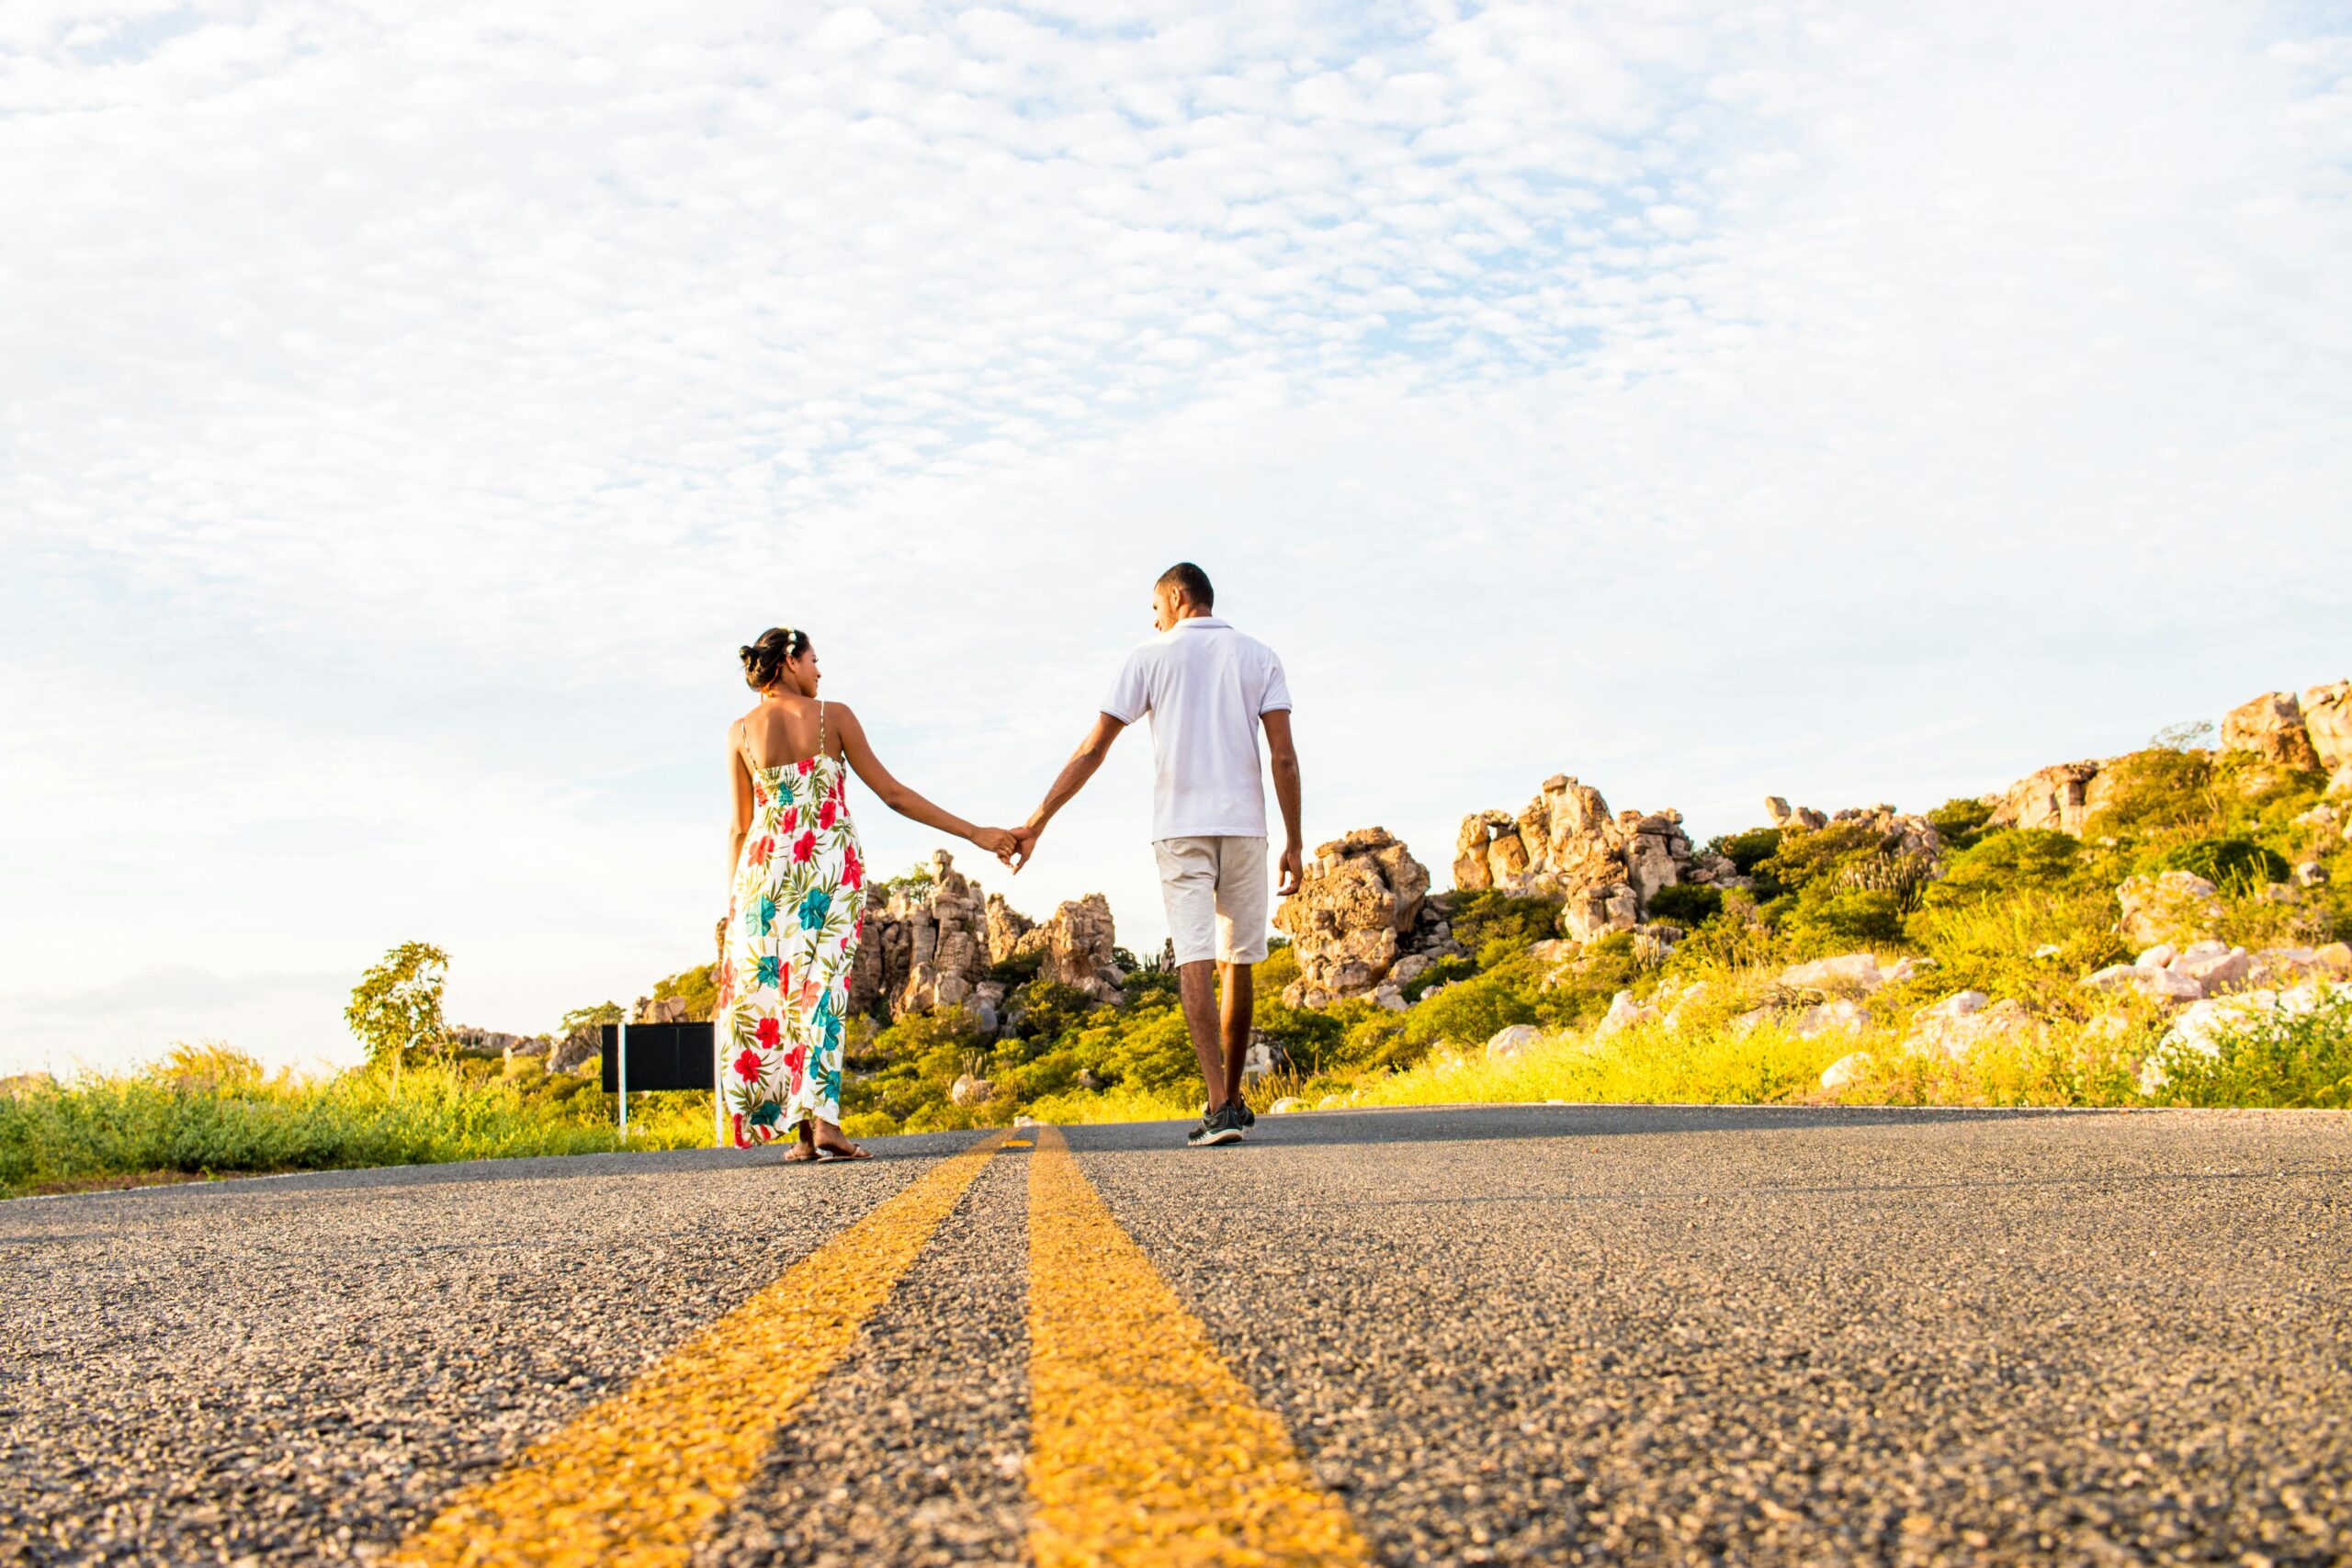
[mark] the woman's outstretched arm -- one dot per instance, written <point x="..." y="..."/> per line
<point x="897" y="797"/>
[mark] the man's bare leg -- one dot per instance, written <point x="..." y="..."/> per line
<point x="1196" y="985"/>
<point x="1240" y="994"/>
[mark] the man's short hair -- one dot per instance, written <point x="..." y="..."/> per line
<point x="1193" y="581"/>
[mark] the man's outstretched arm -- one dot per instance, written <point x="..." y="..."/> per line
<point x="1075" y="773"/>
<point x="1284" y="756"/>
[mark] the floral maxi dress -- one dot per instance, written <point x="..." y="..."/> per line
<point x="792" y="936"/>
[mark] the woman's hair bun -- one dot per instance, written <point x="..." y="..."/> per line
<point x="765" y="659"/>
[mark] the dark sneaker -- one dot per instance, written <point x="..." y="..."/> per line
<point x="1222" y="1125"/>
<point x="1249" y="1117"/>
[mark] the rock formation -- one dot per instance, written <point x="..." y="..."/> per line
<point x="1956" y="1026"/>
<point x="2058" y="798"/>
<point x="465" y="1037"/>
<point x="2327" y="720"/>
<point x="1080" y="945"/>
<point x="1006" y="927"/>
<point x="1566" y="845"/>
<point x="1363" y="923"/>
<point x="929" y="947"/>
<point x="2312" y="733"/>
<point x="1785" y="817"/>
<point x="2272" y="727"/>
<point x="924" y="948"/>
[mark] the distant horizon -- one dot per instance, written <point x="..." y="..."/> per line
<point x="406" y="420"/>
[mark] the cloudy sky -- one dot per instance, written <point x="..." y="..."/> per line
<point x="406" y="409"/>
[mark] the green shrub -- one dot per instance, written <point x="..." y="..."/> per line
<point x="1497" y="925"/>
<point x="1807" y="857"/>
<point x="1444" y="971"/>
<point x="1749" y="849"/>
<point x="1827" y="916"/>
<point x="2153" y="791"/>
<point x="2240" y="865"/>
<point x="1736" y="938"/>
<point x="2006" y="864"/>
<point x="1018" y="970"/>
<point x="2273" y="1058"/>
<point x="1960" y="822"/>
<point x="1687" y="905"/>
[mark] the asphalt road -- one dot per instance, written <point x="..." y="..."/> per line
<point x="1494" y="1335"/>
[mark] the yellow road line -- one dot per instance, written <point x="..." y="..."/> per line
<point x="1144" y="1449"/>
<point x="635" y="1479"/>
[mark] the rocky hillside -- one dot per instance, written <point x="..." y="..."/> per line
<point x="2206" y="881"/>
<point x="2047" y="944"/>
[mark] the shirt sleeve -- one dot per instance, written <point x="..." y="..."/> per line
<point x="1277" y="697"/>
<point x="1130" y="695"/>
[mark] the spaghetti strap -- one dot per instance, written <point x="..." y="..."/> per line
<point x="820" y="728"/>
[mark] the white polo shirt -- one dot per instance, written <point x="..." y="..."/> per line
<point x="1204" y="685"/>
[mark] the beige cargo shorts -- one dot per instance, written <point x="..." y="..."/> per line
<point x="1215" y="892"/>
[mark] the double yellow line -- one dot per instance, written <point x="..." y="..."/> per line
<point x="1145" y="1447"/>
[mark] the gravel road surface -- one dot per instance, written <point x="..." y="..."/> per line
<point x="1496" y="1334"/>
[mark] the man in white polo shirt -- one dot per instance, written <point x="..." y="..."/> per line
<point x="1208" y="689"/>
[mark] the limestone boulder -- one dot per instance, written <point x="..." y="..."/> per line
<point x="1079" y="942"/>
<point x="1472" y="867"/>
<point x="668" y="1010"/>
<point x="1848" y="1070"/>
<point x="2058" y="798"/>
<point x="2327" y="721"/>
<point x="1799" y="818"/>
<point x="2161" y="984"/>
<point x="1625" y="1013"/>
<point x="579" y="1050"/>
<point x="2339" y="783"/>
<point x="985" y="1004"/>
<point x="2203" y="1028"/>
<point x="1591" y="913"/>
<point x="970" y="1090"/>
<point x="2178" y="907"/>
<point x="2272" y="726"/>
<point x="1509" y="1044"/>
<point x="2214" y="965"/>
<point x="1363" y="896"/>
<point x="1005" y="926"/>
<point x="1566" y="844"/>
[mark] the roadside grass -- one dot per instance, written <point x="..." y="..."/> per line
<point x="209" y="1111"/>
<point x="1639" y="1066"/>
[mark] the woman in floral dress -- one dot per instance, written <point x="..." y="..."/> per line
<point x="795" y="900"/>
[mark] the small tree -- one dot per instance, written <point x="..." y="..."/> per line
<point x="396" y="1007"/>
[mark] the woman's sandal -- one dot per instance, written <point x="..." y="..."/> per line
<point x="851" y="1151"/>
<point x="800" y="1154"/>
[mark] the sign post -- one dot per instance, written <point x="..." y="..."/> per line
<point x="623" y="1047"/>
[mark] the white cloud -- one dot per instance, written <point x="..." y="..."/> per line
<point x="404" y="414"/>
